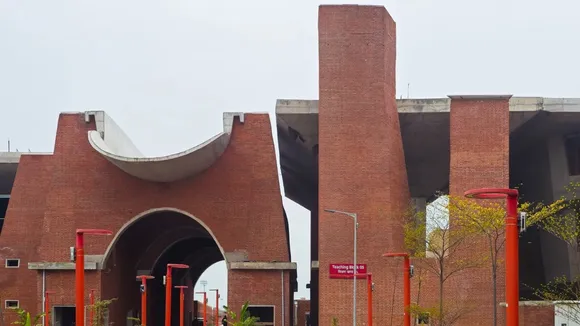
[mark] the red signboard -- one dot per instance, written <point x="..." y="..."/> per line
<point x="345" y="270"/>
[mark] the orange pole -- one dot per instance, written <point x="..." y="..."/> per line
<point x="407" y="292"/>
<point x="204" y="307"/>
<point x="181" y="303"/>
<point x="512" y="286"/>
<point x="217" y="303"/>
<point x="370" y="298"/>
<point x="92" y="311"/>
<point x="47" y="308"/>
<point x="512" y="262"/>
<point x="144" y="279"/>
<point x="80" y="272"/>
<point x="168" y="291"/>
<point x="406" y="285"/>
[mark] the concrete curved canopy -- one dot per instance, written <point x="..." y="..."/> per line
<point x="111" y="142"/>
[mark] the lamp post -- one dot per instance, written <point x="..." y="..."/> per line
<point x="143" y="288"/>
<point x="355" y="218"/>
<point x="80" y="271"/>
<point x="204" y="307"/>
<point x="406" y="285"/>
<point x="181" y="302"/>
<point x="47" y="307"/>
<point x="168" y="288"/>
<point x="217" y="303"/>
<point x="92" y="303"/>
<point x="511" y="246"/>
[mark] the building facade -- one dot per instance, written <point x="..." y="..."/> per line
<point x="355" y="149"/>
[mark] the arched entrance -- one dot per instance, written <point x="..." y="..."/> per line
<point x="145" y="245"/>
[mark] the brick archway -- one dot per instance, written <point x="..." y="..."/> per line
<point x="145" y="245"/>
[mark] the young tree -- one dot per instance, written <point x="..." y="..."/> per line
<point x="243" y="318"/>
<point x="563" y="222"/>
<point x="488" y="220"/>
<point x="439" y="249"/>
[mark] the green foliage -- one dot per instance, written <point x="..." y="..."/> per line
<point x="25" y="320"/>
<point x="101" y="311"/>
<point x="334" y="321"/>
<point x="136" y="321"/>
<point x="561" y="219"/>
<point x="242" y="318"/>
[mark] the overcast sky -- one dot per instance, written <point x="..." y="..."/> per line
<point x="166" y="70"/>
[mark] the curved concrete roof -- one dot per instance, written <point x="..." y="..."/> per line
<point x="111" y="142"/>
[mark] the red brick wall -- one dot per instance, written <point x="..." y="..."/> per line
<point x="21" y="233"/>
<point x="479" y="140"/>
<point x="83" y="190"/>
<point x="361" y="162"/>
<point x="536" y="315"/>
<point x="303" y="307"/>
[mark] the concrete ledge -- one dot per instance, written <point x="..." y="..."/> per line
<point x="479" y="97"/>
<point x="255" y="265"/>
<point x="531" y="304"/>
<point x="89" y="266"/>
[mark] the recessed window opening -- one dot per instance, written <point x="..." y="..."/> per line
<point x="11" y="304"/>
<point x="572" y="145"/>
<point x="12" y="263"/>
<point x="265" y="314"/>
<point x="3" y="207"/>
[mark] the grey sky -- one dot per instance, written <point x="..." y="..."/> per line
<point x="166" y="70"/>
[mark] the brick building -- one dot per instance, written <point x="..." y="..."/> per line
<point x="356" y="149"/>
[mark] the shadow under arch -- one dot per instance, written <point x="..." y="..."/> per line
<point x="145" y="245"/>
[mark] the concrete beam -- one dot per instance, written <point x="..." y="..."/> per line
<point x="256" y="265"/>
<point x="60" y="266"/>
<point x="479" y="97"/>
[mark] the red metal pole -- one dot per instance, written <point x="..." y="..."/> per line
<point x="370" y="298"/>
<point x="204" y="307"/>
<point x="80" y="272"/>
<point x="92" y="311"/>
<point x="511" y="247"/>
<point x="217" y="302"/>
<point x="406" y="285"/>
<point x="168" y="291"/>
<point x="407" y="292"/>
<point x="80" y="280"/>
<point x="144" y="279"/>
<point x="512" y="262"/>
<point x="47" y="308"/>
<point x="181" y="303"/>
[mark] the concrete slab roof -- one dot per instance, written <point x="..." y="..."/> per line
<point x="425" y="131"/>
<point x="111" y="142"/>
<point x="8" y="166"/>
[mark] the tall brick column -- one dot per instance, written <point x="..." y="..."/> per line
<point x="361" y="161"/>
<point x="479" y="159"/>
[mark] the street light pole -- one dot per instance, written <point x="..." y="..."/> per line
<point x="512" y="281"/>
<point x="406" y="285"/>
<point x="204" y="307"/>
<point x="144" y="279"/>
<point x="217" y="303"/>
<point x="168" y="288"/>
<point x="181" y="302"/>
<point x="355" y="272"/>
<point x="80" y="271"/>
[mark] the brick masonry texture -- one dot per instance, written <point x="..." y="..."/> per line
<point x="302" y="307"/>
<point x="361" y="160"/>
<point x="77" y="188"/>
<point x="479" y="141"/>
<point x="542" y="315"/>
